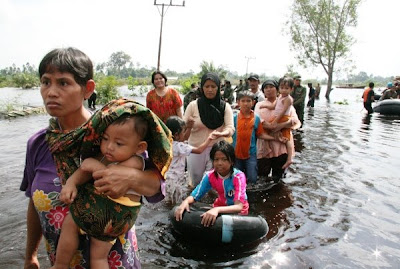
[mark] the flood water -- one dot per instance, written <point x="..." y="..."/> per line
<point x="338" y="206"/>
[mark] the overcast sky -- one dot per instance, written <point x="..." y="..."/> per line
<point x="227" y="32"/>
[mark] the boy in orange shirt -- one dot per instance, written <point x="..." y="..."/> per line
<point x="248" y="128"/>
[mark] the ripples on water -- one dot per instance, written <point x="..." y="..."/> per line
<point x="337" y="208"/>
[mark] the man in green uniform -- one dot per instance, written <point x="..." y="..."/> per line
<point x="299" y="96"/>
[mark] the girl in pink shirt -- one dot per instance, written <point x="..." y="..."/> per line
<point x="227" y="181"/>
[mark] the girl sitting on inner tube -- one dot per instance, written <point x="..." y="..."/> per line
<point x="229" y="182"/>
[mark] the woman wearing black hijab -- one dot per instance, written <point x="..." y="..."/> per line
<point x="209" y="114"/>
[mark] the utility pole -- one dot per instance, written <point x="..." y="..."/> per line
<point x="162" y="14"/>
<point x="247" y="65"/>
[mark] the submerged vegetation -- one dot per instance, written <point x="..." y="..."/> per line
<point x="12" y="108"/>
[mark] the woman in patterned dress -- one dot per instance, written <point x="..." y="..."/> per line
<point x="163" y="100"/>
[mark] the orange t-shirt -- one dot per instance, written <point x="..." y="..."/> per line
<point x="244" y="131"/>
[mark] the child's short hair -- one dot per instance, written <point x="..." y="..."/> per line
<point x="175" y="124"/>
<point x="242" y="94"/>
<point x="226" y="148"/>
<point x="140" y="125"/>
<point x="286" y="81"/>
<point x="69" y="60"/>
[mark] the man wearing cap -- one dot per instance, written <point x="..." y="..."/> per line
<point x="254" y="81"/>
<point x="299" y="97"/>
<point x="390" y="92"/>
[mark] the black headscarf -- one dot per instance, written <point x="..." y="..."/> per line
<point x="211" y="110"/>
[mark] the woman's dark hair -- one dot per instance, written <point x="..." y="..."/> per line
<point x="68" y="60"/>
<point x="286" y="81"/>
<point x="175" y="124"/>
<point x="159" y="73"/>
<point x="226" y="149"/>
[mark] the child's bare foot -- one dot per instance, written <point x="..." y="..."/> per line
<point x="287" y="164"/>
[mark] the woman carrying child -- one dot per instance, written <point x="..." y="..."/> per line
<point x="54" y="153"/>
<point x="126" y="130"/>
<point x="274" y="155"/>
<point x="281" y="110"/>
<point x="227" y="181"/>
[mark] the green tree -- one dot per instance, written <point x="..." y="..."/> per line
<point x="25" y="80"/>
<point x="106" y="89"/>
<point x="187" y="82"/>
<point x="318" y="32"/>
<point x="118" y="60"/>
<point x="209" y="67"/>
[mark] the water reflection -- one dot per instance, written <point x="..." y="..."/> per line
<point x="270" y="201"/>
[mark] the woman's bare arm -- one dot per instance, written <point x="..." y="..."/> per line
<point x="34" y="235"/>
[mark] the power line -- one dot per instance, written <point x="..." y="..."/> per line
<point x="162" y="14"/>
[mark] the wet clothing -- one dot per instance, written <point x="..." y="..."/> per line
<point x="230" y="189"/>
<point x="311" y="97"/>
<point x="245" y="143"/>
<point x="299" y="96"/>
<point x="164" y="106"/>
<point x="53" y="156"/>
<point x="277" y="157"/>
<point x="274" y="165"/>
<point x="101" y="217"/>
<point x="368" y="96"/>
<point x="42" y="184"/>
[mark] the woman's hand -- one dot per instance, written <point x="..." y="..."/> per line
<point x="266" y="125"/>
<point x="113" y="181"/>
<point x="208" y="218"/>
<point x="279" y="137"/>
<point x="215" y="134"/>
<point x="116" y="180"/>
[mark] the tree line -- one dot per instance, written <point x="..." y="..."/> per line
<point x="319" y="36"/>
